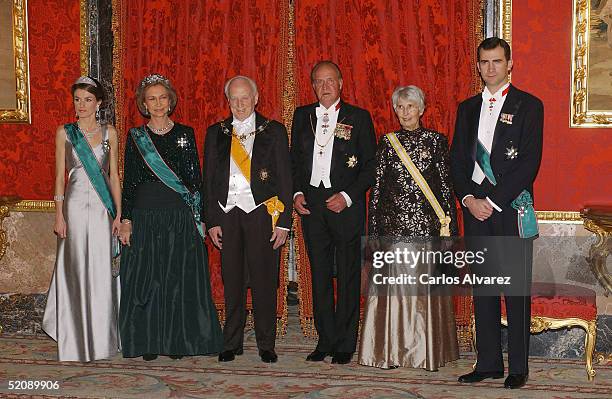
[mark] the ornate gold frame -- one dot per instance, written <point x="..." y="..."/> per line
<point x="505" y="20"/>
<point x="581" y="116"/>
<point x="84" y="35"/>
<point x="21" y="112"/>
<point x="559" y="216"/>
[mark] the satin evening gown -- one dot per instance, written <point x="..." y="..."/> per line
<point x="402" y="326"/>
<point x="83" y="299"/>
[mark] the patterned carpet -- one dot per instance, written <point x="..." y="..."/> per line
<point x="33" y="359"/>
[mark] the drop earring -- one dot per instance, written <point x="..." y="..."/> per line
<point x="97" y="113"/>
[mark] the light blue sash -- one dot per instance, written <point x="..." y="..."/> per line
<point x="526" y="218"/>
<point x="163" y="172"/>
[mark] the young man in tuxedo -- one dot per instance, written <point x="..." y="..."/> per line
<point x="332" y="153"/>
<point x="247" y="208"/>
<point x="495" y="157"/>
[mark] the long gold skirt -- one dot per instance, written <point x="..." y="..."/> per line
<point x="406" y="325"/>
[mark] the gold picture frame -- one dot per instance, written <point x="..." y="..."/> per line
<point x="505" y="20"/>
<point x="15" y="76"/>
<point x="591" y="97"/>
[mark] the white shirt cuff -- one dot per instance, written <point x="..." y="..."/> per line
<point x="463" y="199"/>
<point x="298" y="193"/>
<point x="348" y="200"/>
<point x="494" y="205"/>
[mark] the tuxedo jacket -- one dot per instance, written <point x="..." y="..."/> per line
<point x="353" y="159"/>
<point x="270" y="169"/>
<point x="515" y="153"/>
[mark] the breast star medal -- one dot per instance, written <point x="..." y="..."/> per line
<point x="264" y="174"/>
<point x="182" y="142"/>
<point x="511" y="152"/>
<point x="352" y="161"/>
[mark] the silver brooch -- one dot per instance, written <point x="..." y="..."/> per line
<point x="424" y="155"/>
<point x="352" y="161"/>
<point x="182" y="142"/>
<point x="511" y="153"/>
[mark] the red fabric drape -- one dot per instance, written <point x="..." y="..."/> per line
<point x="27" y="151"/>
<point x="379" y="45"/>
<point x="198" y="46"/>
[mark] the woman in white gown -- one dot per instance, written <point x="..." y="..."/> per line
<point x="83" y="298"/>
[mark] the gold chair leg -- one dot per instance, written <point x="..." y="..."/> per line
<point x="589" y="347"/>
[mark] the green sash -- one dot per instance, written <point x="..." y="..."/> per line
<point x="92" y="166"/>
<point x="484" y="161"/>
<point x="96" y="176"/>
<point x="526" y="218"/>
<point x="159" y="167"/>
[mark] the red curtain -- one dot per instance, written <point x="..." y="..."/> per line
<point x="382" y="44"/>
<point x="379" y="45"/>
<point x="198" y="46"/>
<point x="27" y="151"/>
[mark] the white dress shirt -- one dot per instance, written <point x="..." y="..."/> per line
<point x="323" y="149"/>
<point x="324" y="145"/>
<point x="489" y="115"/>
<point x="239" y="193"/>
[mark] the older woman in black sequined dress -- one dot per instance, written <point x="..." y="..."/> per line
<point x="401" y="326"/>
<point x="166" y="303"/>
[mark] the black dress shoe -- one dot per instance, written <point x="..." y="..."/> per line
<point x="476" y="376"/>
<point x="342" y="357"/>
<point x="175" y="357"/>
<point x="268" y="356"/>
<point x="227" y="356"/>
<point x="316" y="356"/>
<point x="148" y="357"/>
<point x="515" y="381"/>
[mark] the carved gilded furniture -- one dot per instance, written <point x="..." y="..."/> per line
<point x="556" y="306"/>
<point x="5" y="204"/>
<point x="598" y="219"/>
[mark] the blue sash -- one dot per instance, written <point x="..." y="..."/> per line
<point x="526" y="218"/>
<point x="163" y="172"/>
<point x="95" y="174"/>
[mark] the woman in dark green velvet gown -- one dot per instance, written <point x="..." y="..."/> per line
<point x="166" y="303"/>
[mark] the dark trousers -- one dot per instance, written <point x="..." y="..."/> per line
<point x="487" y="300"/>
<point x="334" y="238"/>
<point x="247" y="259"/>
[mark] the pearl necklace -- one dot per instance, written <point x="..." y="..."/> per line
<point x="163" y="130"/>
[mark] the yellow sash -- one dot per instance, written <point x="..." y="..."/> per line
<point x="420" y="181"/>
<point x="241" y="157"/>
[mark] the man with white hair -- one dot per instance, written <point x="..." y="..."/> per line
<point x="247" y="209"/>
